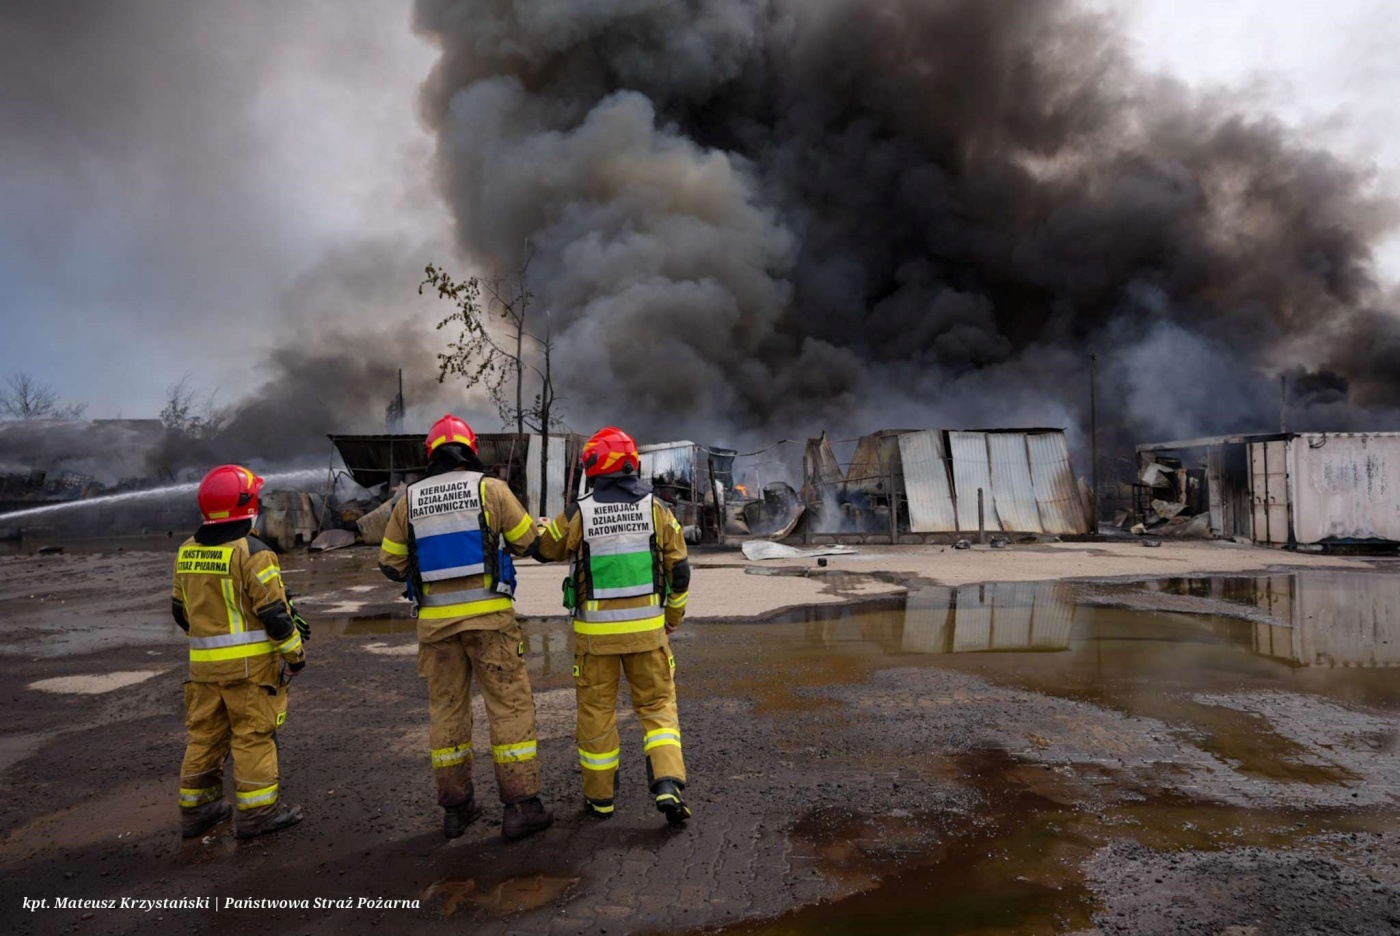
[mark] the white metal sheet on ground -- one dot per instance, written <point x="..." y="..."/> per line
<point x="926" y="484"/>
<point x="1056" y="490"/>
<point x="1012" y="489"/>
<point x="1345" y="487"/>
<point x="970" y="472"/>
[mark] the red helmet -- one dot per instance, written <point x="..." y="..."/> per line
<point x="609" y="451"/>
<point x="450" y="429"/>
<point x="229" y="493"/>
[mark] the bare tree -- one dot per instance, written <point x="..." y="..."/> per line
<point x="24" y="397"/>
<point x="480" y="359"/>
<point x="185" y="411"/>
<point x="476" y="355"/>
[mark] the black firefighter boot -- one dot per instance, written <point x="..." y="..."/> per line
<point x="669" y="803"/>
<point x="602" y="808"/>
<point x="455" y="819"/>
<point x="527" y="818"/>
<point x="195" y="822"/>
<point x="263" y="821"/>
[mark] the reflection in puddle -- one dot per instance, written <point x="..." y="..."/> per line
<point x="1312" y="618"/>
<point x="1318" y="618"/>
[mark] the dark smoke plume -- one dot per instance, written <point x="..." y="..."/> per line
<point x="760" y="216"/>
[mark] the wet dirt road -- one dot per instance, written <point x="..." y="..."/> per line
<point x="1190" y="755"/>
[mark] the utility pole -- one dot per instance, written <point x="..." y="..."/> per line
<point x="1283" y="403"/>
<point x="1093" y="442"/>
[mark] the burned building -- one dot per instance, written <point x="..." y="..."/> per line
<point x="1311" y="490"/>
<point x="381" y="464"/>
<point x="936" y="484"/>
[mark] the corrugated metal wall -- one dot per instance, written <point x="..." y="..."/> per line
<point x="1056" y="490"/>
<point x="1011" y="482"/>
<point x="1028" y="483"/>
<point x="972" y="470"/>
<point x="926" y="483"/>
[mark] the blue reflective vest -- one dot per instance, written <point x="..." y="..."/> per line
<point x="450" y="538"/>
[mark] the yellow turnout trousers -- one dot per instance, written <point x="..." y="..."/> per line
<point x="651" y="678"/>
<point x="242" y="717"/>
<point x="497" y="659"/>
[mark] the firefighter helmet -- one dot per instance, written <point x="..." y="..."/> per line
<point x="450" y="429"/>
<point x="610" y="451"/>
<point x="229" y="493"/>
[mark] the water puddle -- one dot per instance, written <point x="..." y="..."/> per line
<point x="1248" y="669"/>
<point x="504" y="898"/>
<point x="1017" y="866"/>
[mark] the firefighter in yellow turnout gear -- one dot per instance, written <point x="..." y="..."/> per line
<point x="245" y="645"/>
<point x="451" y="538"/>
<point x="627" y="590"/>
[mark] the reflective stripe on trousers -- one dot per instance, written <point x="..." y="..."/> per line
<point x="192" y="799"/>
<point x="513" y="753"/>
<point x="254" y="799"/>
<point x="605" y="761"/>
<point x="452" y="756"/>
<point x="661" y="737"/>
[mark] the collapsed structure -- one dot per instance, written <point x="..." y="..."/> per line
<point x="1310" y="490"/>
<point x="935" y="484"/>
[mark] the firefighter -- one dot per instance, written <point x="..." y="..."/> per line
<point x="627" y="589"/>
<point x="245" y="646"/>
<point x="451" y="538"/>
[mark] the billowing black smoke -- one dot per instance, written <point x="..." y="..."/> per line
<point x="775" y="215"/>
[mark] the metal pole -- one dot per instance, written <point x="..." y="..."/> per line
<point x="1093" y="443"/>
<point x="1283" y="403"/>
<point x="981" y="519"/>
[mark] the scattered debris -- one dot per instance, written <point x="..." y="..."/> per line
<point x="760" y="549"/>
<point x="1137" y="529"/>
<point x="372" y="524"/>
<point x="1167" y="510"/>
<point x="1000" y="542"/>
<point x="50" y="550"/>
<point x="1149" y="541"/>
<point x="962" y="544"/>
<point x="333" y="539"/>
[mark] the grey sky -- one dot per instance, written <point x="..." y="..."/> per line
<point x="172" y="170"/>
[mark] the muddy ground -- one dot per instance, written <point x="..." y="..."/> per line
<point x="869" y="752"/>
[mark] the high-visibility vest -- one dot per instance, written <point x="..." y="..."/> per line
<point x="450" y="538"/>
<point x="619" y="560"/>
<point x="209" y="578"/>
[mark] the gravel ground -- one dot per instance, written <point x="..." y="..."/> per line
<point x="841" y="783"/>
